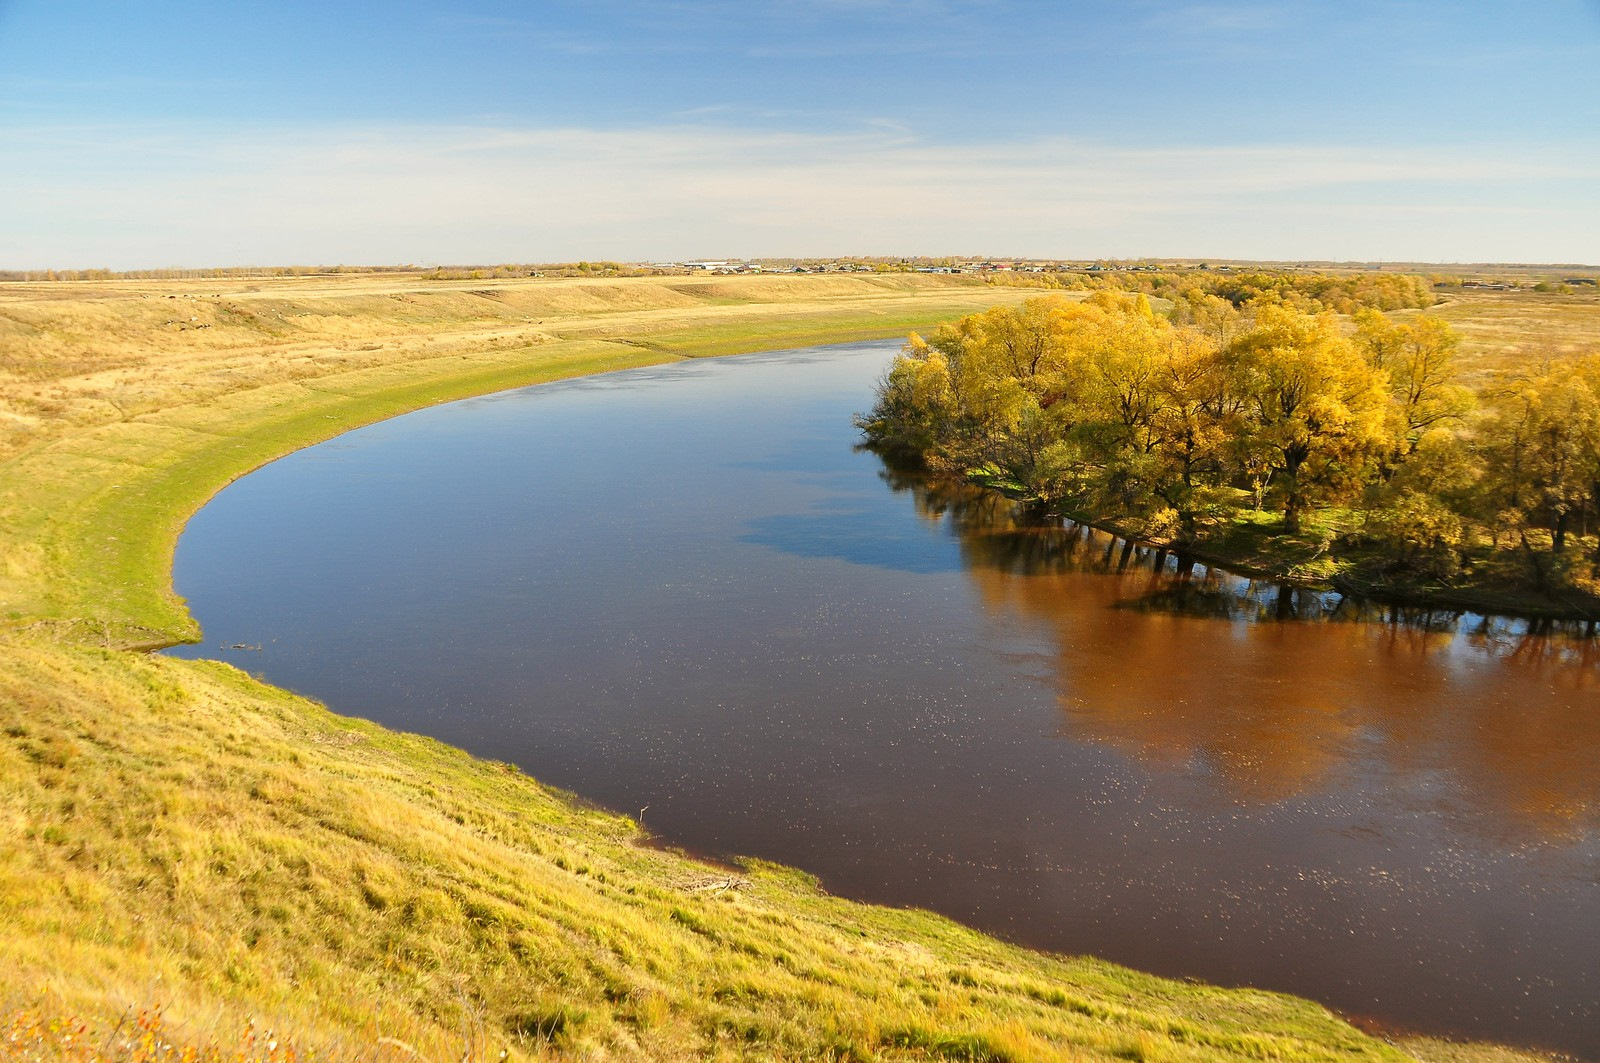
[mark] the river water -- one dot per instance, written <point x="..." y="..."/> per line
<point x="683" y="590"/>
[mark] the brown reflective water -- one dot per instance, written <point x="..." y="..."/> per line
<point x="1511" y="718"/>
<point x="683" y="588"/>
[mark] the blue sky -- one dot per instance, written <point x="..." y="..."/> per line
<point x="186" y="133"/>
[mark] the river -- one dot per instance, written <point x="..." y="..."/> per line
<point x="684" y="593"/>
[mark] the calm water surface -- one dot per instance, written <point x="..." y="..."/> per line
<point x="682" y="588"/>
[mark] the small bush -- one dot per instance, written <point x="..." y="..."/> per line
<point x="1420" y="535"/>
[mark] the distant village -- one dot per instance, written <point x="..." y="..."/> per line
<point x="1483" y="276"/>
<point x="1557" y="278"/>
<point x="902" y="266"/>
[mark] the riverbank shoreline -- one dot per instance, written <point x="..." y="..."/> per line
<point x="187" y="836"/>
<point x="1350" y="581"/>
<point x="1508" y="605"/>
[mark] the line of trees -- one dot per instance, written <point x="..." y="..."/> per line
<point x="1176" y="430"/>
<point x="185" y="273"/>
<point x="1344" y="292"/>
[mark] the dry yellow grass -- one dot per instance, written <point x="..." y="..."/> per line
<point x="86" y="352"/>
<point x="1507" y="330"/>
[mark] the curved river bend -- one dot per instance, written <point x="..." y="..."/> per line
<point x="682" y="588"/>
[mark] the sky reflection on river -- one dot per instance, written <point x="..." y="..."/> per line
<point x="684" y="588"/>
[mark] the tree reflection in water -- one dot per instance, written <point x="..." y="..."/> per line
<point x="1275" y="691"/>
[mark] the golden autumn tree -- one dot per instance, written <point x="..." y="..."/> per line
<point x="916" y="402"/>
<point x="1541" y="444"/>
<point x="1419" y="360"/>
<point x="1316" y="414"/>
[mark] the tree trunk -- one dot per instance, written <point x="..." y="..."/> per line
<point x="1294" y="501"/>
<point x="1291" y="513"/>
<point x="1188" y="530"/>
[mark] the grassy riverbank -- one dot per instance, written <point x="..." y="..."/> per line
<point x="180" y="835"/>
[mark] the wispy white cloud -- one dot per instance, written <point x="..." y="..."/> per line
<point x="125" y="198"/>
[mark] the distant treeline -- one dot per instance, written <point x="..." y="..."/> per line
<point x="1333" y="288"/>
<point x="1308" y="291"/>
<point x="502" y="271"/>
<point x="1183" y="430"/>
<point x="183" y="273"/>
<point x="549" y="269"/>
